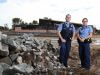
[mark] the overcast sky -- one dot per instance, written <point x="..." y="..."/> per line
<point x="29" y="10"/>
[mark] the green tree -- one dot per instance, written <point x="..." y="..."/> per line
<point x="34" y="22"/>
<point x="6" y="27"/>
<point x="16" y="21"/>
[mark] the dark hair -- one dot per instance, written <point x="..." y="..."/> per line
<point x="84" y="19"/>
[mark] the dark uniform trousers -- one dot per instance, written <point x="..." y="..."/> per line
<point x="66" y="33"/>
<point x="84" y="54"/>
<point x="64" y="52"/>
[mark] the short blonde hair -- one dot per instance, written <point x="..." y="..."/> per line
<point x="68" y="15"/>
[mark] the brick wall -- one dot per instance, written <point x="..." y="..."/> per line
<point x="18" y="29"/>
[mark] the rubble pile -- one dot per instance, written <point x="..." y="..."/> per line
<point x="27" y="55"/>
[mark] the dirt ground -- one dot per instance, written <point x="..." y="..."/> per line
<point x="74" y="60"/>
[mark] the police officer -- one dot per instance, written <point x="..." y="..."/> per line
<point x="66" y="32"/>
<point x="84" y="33"/>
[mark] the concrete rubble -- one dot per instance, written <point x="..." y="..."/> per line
<point x="26" y="55"/>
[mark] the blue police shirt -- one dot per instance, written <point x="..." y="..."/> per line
<point x="67" y="24"/>
<point x="84" y="31"/>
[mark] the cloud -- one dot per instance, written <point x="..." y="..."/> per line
<point x="29" y="10"/>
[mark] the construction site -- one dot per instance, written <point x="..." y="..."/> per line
<point x="34" y="50"/>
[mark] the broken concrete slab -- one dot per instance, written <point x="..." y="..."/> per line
<point x="4" y="50"/>
<point x="3" y="67"/>
<point x="6" y="60"/>
<point x="21" y="69"/>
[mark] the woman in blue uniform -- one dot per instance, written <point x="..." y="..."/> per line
<point x="84" y="35"/>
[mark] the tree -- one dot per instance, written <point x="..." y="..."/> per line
<point x="34" y="22"/>
<point x="16" y="21"/>
<point x="22" y="23"/>
<point x="6" y="27"/>
<point x="30" y="24"/>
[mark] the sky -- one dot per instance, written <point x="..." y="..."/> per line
<point x="29" y="10"/>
